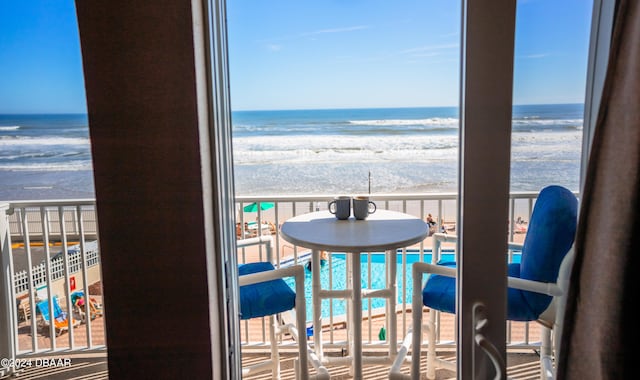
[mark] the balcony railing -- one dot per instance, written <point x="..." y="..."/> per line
<point x="52" y="253"/>
<point x="52" y="249"/>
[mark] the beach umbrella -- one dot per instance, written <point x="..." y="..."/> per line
<point x="253" y="207"/>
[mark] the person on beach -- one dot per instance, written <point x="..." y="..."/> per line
<point x="432" y="224"/>
<point x="240" y="230"/>
<point x="272" y="228"/>
<point x="430" y="220"/>
<point x="323" y="260"/>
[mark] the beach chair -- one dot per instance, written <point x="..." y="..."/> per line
<point x="95" y="307"/>
<point x="264" y="293"/>
<point x="24" y="309"/>
<point x="536" y="285"/>
<point x="61" y="319"/>
<point x="79" y="302"/>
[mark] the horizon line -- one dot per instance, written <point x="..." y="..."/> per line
<point x="303" y="109"/>
<point x="387" y="107"/>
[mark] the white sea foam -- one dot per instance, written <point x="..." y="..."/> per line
<point x="403" y="163"/>
<point x="327" y="149"/>
<point x="454" y="122"/>
<point x="537" y="122"/>
<point x="305" y="149"/>
<point x="447" y="121"/>
<point x="9" y="128"/>
<point x="546" y="137"/>
<point x="52" y="140"/>
<point x="45" y="167"/>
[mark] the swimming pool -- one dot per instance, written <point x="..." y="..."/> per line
<point x="378" y="275"/>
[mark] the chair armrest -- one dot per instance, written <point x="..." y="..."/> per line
<point x="446" y="238"/>
<point x="265" y="240"/>
<point x="551" y="289"/>
<point x="557" y="288"/>
<point x="419" y="268"/>
<point x="438" y="239"/>
<point x="296" y="271"/>
<point x="548" y="288"/>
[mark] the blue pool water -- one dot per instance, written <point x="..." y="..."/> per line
<point x="377" y="279"/>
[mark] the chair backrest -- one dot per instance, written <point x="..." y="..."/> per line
<point x="550" y="235"/>
<point x="43" y="307"/>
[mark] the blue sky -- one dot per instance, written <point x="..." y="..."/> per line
<point x="40" y="59"/>
<point x="292" y="54"/>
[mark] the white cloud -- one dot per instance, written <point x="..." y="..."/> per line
<point x="426" y="54"/>
<point x="534" y="56"/>
<point x="337" y="30"/>
<point x="274" y="47"/>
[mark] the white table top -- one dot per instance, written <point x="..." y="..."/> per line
<point x="381" y="231"/>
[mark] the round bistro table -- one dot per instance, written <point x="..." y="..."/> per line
<point x="382" y="231"/>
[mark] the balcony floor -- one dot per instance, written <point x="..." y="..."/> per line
<point x="520" y="365"/>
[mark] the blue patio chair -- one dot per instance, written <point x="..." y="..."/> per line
<point x="545" y="263"/>
<point x="61" y="319"/>
<point x="264" y="293"/>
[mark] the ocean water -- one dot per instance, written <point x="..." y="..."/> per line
<point x="390" y="150"/>
<point x="45" y="157"/>
<point x="402" y="150"/>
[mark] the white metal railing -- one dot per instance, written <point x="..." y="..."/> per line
<point x="52" y="252"/>
<point x="30" y="212"/>
<point x="72" y="224"/>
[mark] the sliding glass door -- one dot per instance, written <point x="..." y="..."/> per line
<point x="519" y="108"/>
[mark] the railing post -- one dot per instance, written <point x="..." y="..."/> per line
<point x="7" y="300"/>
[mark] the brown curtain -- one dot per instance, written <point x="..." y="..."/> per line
<point x="600" y="325"/>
